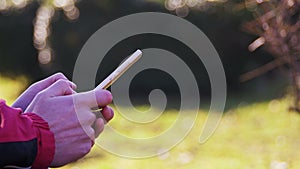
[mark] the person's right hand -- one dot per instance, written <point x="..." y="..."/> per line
<point x="70" y="118"/>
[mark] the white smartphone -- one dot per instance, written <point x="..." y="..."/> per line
<point x="120" y="70"/>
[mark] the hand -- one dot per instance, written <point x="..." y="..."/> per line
<point x="70" y="118"/>
<point x="26" y="97"/>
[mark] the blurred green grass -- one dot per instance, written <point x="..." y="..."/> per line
<point x="255" y="135"/>
<point x="249" y="136"/>
<point x="10" y="87"/>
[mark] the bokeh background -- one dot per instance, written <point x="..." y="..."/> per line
<point x="256" y="41"/>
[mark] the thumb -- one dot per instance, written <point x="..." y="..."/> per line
<point x="60" y="88"/>
<point x="93" y="98"/>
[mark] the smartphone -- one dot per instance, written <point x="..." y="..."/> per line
<point x="120" y="70"/>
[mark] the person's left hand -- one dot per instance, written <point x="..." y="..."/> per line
<point x="27" y="96"/>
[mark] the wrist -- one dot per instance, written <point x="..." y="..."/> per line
<point x="46" y="142"/>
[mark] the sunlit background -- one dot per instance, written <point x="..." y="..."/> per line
<point x="258" y="43"/>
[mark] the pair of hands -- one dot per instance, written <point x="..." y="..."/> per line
<point x="68" y="114"/>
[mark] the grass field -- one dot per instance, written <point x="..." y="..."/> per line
<point x="260" y="135"/>
<point x="11" y="88"/>
<point x="251" y="136"/>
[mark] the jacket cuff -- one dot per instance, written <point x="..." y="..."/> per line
<point x="46" y="142"/>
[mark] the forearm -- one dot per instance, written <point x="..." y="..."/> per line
<point x="25" y="139"/>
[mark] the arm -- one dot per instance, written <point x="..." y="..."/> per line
<point x="25" y="139"/>
<point x="49" y="119"/>
<point x="20" y="135"/>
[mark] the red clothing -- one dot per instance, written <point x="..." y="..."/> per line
<point x="29" y="135"/>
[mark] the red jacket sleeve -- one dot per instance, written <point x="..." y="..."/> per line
<point x="25" y="139"/>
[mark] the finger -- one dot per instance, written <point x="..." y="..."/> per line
<point x="89" y="132"/>
<point x="86" y="119"/>
<point x="60" y="88"/>
<point x="70" y="92"/>
<point x="99" y="127"/>
<point x="93" y="98"/>
<point x="107" y="113"/>
<point x="45" y="83"/>
<point x="24" y="100"/>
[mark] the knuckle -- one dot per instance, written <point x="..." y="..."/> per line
<point x="87" y="147"/>
<point x="34" y="86"/>
<point x="56" y="77"/>
<point x="91" y="118"/>
<point x="85" y="151"/>
<point x="87" y="118"/>
<point x="90" y="132"/>
<point x="62" y="83"/>
<point x="59" y="75"/>
<point x="40" y="95"/>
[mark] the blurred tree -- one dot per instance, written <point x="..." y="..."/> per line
<point x="278" y="26"/>
<point x="57" y="33"/>
<point x="45" y="10"/>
